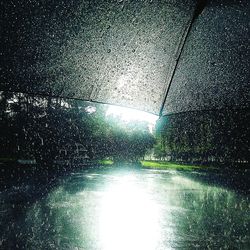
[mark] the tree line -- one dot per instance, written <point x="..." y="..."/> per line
<point x="37" y="127"/>
<point x="205" y="137"/>
<point x="45" y="128"/>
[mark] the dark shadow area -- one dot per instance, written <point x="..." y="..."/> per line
<point x="217" y="138"/>
<point x="237" y="181"/>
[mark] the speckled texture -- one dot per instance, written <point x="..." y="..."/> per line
<point x="122" y="52"/>
<point x="213" y="71"/>
<point x="117" y="52"/>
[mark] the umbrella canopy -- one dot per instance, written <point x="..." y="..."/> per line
<point x="153" y="55"/>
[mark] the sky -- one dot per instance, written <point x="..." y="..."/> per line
<point x="128" y="115"/>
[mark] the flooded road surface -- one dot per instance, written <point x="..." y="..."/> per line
<point x="124" y="210"/>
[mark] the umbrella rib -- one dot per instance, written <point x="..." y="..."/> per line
<point x="200" y="5"/>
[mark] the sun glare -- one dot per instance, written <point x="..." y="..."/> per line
<point x="129" y="218"/>
<point x="127" y="114"/>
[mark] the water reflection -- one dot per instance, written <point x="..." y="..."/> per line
<point x="129" y="217"/>
<point x="152" y="210"/>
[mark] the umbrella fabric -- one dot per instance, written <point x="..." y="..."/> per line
<point x="124" y="52"/>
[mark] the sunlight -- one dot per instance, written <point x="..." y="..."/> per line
<point x="129" y="218"/>
<point x="128" y="114"/>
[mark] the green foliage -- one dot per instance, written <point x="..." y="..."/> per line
<point x="45" y="129"/>
<point x="205" y="137"/>
<point x="159" y="150"/>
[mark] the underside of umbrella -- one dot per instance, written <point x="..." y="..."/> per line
<point x="157" y="56"/>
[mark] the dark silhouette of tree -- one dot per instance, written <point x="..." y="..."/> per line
<point x="36" y="127"/>
<point x="216" y="136"/>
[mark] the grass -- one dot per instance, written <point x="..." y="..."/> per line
<point x="160" y="165"/>
<point x="169" y="165"/>
<point x="105" y="162"/>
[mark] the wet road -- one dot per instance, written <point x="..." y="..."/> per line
<point x="124" y="210"/>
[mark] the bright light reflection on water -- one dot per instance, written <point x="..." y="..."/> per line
<point x="129" y="210"/>
<point x="129" y="217"/>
